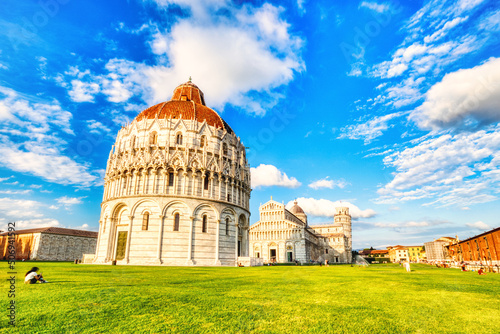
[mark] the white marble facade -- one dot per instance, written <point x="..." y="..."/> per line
<point x="283" y="235"/>
<point x="177" y="188"/>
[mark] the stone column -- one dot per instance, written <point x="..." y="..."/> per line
<point x="120" y="185"/>
<point x="135" y="182"/>
<point x="184" y="186"/>
<point x="203" y="176"/>
<point x="111" y="187"/>
<point x="227" y="191"/>
<point x="189" y="261"/>
<point x="98" y="240"/>
<point x="232" y="191"/>
<point x="220" y="187"/>
<point x="236" y="244"/>
<point x="155" y="174"/>
<point x="238" y="194"/>
<point x="145" y="181"/>
<point x="211" y="186"/>
<point x="111" y="240"/>
<point x="193" y="188"/>
<point x="104" y="195"/>
<point x="160" y="239"/>
<point x="127" y="251"/>
<point x="164" y="173"/>
<point x="217" y="260"/>
<point x="176" y="180"/>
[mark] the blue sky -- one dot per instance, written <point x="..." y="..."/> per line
<point x="391" y="108"/>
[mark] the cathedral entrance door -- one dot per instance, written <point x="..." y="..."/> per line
<point x="121" y="245"/>
<point x="289" y="256"/>
<point x="273" y="254"/>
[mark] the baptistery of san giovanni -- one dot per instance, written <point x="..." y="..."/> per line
<point x="176" y="189"/>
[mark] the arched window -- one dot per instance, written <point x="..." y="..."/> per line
<point x="170" y="179"/>
<point x="204" y="226"/>
<point x="224" y="149"/>
<point x="145" y="221"/>
<point x="153" y="138"/>
<point x="227" y="226"/>
<point x="206" y="182"/>
<point x="202" y="141"/>
<point x="178" y="139"/>
<point x="177" y="218"/>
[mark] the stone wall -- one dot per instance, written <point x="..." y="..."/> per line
<point x="56" y="247"/>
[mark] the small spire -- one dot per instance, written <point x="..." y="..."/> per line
<point x="271" y="197"/>
<point x="189" y="79"/>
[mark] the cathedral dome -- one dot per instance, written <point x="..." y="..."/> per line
<point x="187" y="103"/>
<point x="295" y="209"/>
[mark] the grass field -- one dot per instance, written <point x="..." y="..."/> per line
<point x="279" y="299"/>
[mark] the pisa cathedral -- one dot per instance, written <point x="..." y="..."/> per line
<point x="176" y="188"/>
<point x="283" y="235"/>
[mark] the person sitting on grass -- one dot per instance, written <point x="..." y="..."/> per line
<point x="481" y="272"/>
<point x="32" y="277"/>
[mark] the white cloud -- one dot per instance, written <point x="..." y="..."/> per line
<point x="300" y="6"/>
<point x="36" y="223"/>
<point x="451" y="170"/>
<point x="16" y="192"/>
<point x="83" y="91"/>
<point x="238" y="55"/>
<point x="51" y="167"/>
<point x="65" y="200"/>
<point x="465" y="98"/>
<point x="40" y="128"/>
<point x="379" y="8"/>
<point x="326" y="183"/>
<point x="410" y="224"/>
<point x="97" y="127"/>
<point x="369" y="130"/>
<point x="436" y="37"/>
<point x="82" y="227"/>
<point x="326" y="208"/>
<point x="269" y="175"/>
<point x="16" y="208"/>
<point x="491" y="22"/>
<point x="479" y="225"/>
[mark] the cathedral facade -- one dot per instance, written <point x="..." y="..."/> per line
<point x="283" y="235"/>
<point x="176" y="188"/>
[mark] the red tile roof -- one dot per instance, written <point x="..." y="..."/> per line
<point x="383" y="251"/>
<point x="56" y="230"/>
<point x="187" y="103"/>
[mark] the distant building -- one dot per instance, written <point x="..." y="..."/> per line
<point x="398" y="253"/>
<point x="483" y="248"/>
<point x="50" y="244"/>
<point x="375" y="255"/>
<point x="283" y="235"/>
<point x="436" y="250"/>
<point x="416" y="253"/>
<point x="379" y="253"/>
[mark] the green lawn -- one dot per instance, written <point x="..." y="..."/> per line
<point x="280" y="299"/>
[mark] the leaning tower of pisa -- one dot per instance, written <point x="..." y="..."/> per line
<point x="343" y="218"/>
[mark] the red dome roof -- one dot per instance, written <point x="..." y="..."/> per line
<point x="187" y="103"/>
